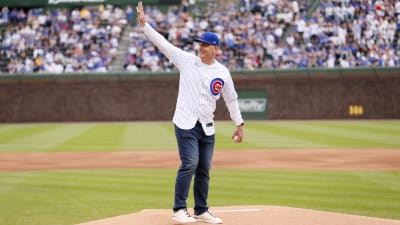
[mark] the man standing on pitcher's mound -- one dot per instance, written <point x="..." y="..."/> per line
<point x="202" y="81"/>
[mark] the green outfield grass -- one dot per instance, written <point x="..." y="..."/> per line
<point x="160" y="136"/>
<point x="69" y="197"/>
<point x="73" y="196"/>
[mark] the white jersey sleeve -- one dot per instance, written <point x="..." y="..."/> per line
<point x="176" y="55"/>
<point x="231" y="100"/>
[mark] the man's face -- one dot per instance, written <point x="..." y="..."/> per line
<point x="207" y="51"/>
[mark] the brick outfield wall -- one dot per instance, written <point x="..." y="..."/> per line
<point x="129" y="98"/>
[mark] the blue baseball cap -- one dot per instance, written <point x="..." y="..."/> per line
<point x="208" y="38"/>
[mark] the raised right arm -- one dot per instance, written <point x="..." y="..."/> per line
<point x="156" y="38"/>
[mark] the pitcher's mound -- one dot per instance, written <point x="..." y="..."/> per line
<point x="249" y="215"/>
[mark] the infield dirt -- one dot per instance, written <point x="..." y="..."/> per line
<point x="318" y="159"/>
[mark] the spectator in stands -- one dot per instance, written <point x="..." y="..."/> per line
<point x="56" y="39"/>
<point x="270" y="34"/>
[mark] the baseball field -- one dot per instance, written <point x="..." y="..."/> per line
<point x="69" y="173"/>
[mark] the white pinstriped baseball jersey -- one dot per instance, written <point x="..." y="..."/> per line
<point x="200" y="86"/>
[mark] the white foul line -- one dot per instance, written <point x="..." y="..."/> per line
<point x="235" y="210"/>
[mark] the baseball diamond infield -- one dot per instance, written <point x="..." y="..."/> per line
<point x="321" y="159"/>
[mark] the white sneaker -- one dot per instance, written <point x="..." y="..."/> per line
<point x="208" y="218"/>
<point x="182" y="216"/>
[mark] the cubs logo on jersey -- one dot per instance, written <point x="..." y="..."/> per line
<point x="216" y="86"/>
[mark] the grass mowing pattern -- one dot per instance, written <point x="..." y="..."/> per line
<point x="160" y="136"/>
<point x="81" y="137"/>
<point x="69" y="197"/>
<point x="362" y="193"/>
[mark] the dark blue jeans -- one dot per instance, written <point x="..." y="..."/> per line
<point x="196" y="152"/>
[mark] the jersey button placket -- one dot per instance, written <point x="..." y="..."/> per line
<point x="203" y="95"/>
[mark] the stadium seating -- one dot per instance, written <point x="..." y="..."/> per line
<point x="60" y="40"/>
<point x="258" y="34"/>
<point x="274" y="34"/>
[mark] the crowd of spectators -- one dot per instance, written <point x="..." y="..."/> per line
<point x="60" y="40"/>
<point x="349" y="33"/>
<point x="248" y="32"/>
<point x="256" y="34"/>
<point x="341" y="33"/>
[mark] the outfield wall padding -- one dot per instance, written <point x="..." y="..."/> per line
<point x="297" y="94"/>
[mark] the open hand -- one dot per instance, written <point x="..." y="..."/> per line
<point x="140" y="13"/>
